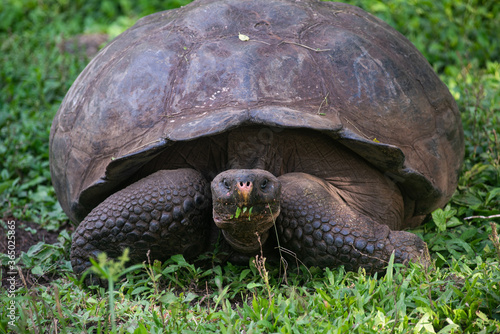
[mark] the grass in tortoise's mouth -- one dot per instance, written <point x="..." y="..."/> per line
<point x="230" y="213"/>
<point x="240" y="211"/>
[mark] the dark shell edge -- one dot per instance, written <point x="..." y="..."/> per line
<point x="387" y="158"/>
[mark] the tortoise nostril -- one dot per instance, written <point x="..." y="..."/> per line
<point x="246" y="184"/>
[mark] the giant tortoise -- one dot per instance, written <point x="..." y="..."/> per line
<point x="247" y="124"/>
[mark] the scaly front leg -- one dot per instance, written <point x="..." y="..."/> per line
<point x="324" y="231"/>
<point x="166" y="213"/>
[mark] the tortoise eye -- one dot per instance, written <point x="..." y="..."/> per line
<point x="263" y="185"/>
<point x="226" y="184"/>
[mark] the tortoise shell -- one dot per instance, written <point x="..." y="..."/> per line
<point x="212" y="66"/>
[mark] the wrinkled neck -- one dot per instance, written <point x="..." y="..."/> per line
<point x="255" y="148"/>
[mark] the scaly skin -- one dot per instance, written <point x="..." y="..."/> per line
<point x="168" y="213"/>
<point x="322" y="231"/>
<point x="165" y="212"/>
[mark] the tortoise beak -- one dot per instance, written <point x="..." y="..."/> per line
<point x="244" y="189"/>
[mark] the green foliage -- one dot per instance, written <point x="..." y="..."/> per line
<point x="111" y="271"/>
<point x="45" y="258"/>
<point x="447" y="32"/>
<point x="407" y="299"/>
<point x="478" y="193"/>
<point x="461" y="294"/>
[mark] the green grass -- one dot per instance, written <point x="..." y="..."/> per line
<point x="460" y="294"/>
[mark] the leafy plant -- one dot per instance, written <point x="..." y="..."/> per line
<point x="461" y="294"/>
<point x="111" y="271"/>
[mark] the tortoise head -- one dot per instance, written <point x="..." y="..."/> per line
<point x="246" y="203"/>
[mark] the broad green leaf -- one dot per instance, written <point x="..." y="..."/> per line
<point x="439" y="217"/>
<point x="481" y="315"/>
<point x="141" y="329"/>
<point x="169" y="298"/>
<point x="469" y="233"/>
<point x="6" y="185"/>
<point x="491" y="195"/>
<point x="189" y="297"/>
<point x="461" y="243"/>
<point x="453" y="222"/>
<point x="37" y="270"/>
<point x="254" y="285"/>
<point x="468" y="199"/>
<point x="244" y="273"/>
<point x="140" y="289"/>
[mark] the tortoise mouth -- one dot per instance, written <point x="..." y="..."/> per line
<point x="245" y="228"/>
<point x="255" y="216"/>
